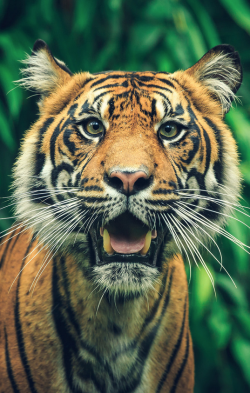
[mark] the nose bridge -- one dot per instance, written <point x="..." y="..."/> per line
<point x="131" y="154"/>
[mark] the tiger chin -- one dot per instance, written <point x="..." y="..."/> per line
<point x="121" y="174"/>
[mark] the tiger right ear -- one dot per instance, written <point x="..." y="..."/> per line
<point x="220" y="70"/>
<point x="43" y="72"/>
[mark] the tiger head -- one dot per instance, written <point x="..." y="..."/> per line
<point x="124" y="169"/>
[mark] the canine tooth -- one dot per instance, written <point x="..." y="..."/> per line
<point x="101" y="231"/>
<point x="106" y="242"/>
<point x="147" y="243"/>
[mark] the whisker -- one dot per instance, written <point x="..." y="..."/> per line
<point x="63" y="237"/>
<point x="100" y="301"/>
<point x="216" y="228"/>
<point x="200" y="242"/>
<point x="201" y="260"/>
<point x="42" y="241"/>
<point x="187" y="217"/>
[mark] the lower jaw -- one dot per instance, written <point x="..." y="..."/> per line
<point x="124" y="279"/>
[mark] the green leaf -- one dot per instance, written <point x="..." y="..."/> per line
<point x="202" y="289"/>
<point x="243" y="318"/>
<point x="159" y="9"/>
<point x="145" y="37"/>
<point x="5" y="132"/>
<point x="239" y="11"/>
<point x="237" y="295"/>
<point x="220" y="324"/>
<point x="241" y="351"/>
<point x="206" y="22"/>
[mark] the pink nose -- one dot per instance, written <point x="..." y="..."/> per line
<point x="130" y="181"/>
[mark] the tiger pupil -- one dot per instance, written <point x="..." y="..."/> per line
<point x="169" y="128"/>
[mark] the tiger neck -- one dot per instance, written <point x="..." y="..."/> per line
<point x="109" y="325"/>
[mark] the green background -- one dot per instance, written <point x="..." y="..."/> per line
<point x="97" y="35"/>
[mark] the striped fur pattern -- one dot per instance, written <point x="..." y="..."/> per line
<point x="69" y="322"/>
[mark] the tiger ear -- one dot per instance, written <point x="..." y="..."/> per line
<point x="43" y="72"/>
<point x="220" y="70"/>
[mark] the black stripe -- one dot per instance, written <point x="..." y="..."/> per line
<point x="108" y="77"/>
<point x="70" y="311"/>
<point x="174" y="353"/>
<point x="69" y="343"/>
<point x="154" y="309"/>
<point x="153" y="106"/>
<point x="185" y="89"/>
<point x="40" y="157"/>
<point x="102" y="94"/>
<point x="179" y="110"/>
<point x="7" y="248"/>
<point x="162" y="191"/>
<point x="191" y="153"/>
<point x="218" y="165"/>
<point x="155" y="86"/>
<point x="82" y="86"/>
<point x="61" y="324"/>
<point x="19" y="332"/>
<point x="56" y="172"/>
<point x="109" y="85"/>
<point x="55" y="134"/>
<point x="208" y="151"/>
<point x="183" y="364"/>
<point x="93" y="199"/>
<point x="144" y="78"/>
<point x="8" y="365"/>
<point x="169" y="109"/>
<point x="158" y="202"/>
<point x="167" y="82"/>
<point x="73" y="320"/>
<point x="111" y="104"/>
<point x="130" y="384"/>
<point x="69" y="143"/>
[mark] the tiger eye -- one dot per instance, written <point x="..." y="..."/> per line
<point x="168" y="130"/>
<point x="94" y="127"/>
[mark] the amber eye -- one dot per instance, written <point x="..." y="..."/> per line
<point x="168" y="130"/>
<point x="94" y="127"/>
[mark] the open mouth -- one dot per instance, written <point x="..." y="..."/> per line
<point x="126" y="239"/>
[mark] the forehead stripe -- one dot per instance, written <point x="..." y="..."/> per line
<point x="111" y="85"/>
<point x="101" y="95"/>
<point x="155" y="86"/>
<point x="107" y="77"/>
<point x="166" y="82"/>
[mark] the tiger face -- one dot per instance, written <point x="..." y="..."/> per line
<point x="124" y="169"/>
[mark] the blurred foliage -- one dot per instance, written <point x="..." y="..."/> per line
<point x="161" y="35"/>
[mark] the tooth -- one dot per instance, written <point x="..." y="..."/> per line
<point x="106" y="242"/>
<point x="147" y="243"/>
<point x="101" y="231"/>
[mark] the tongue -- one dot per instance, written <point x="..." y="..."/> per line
<point x="123" y="245"/>
<point x="127" y="235"/>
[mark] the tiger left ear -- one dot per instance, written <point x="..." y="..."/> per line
<point x="221" y="72"/>
<point x="43" y="72"/>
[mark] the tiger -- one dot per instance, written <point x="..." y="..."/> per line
<point x="122" y="177"/>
